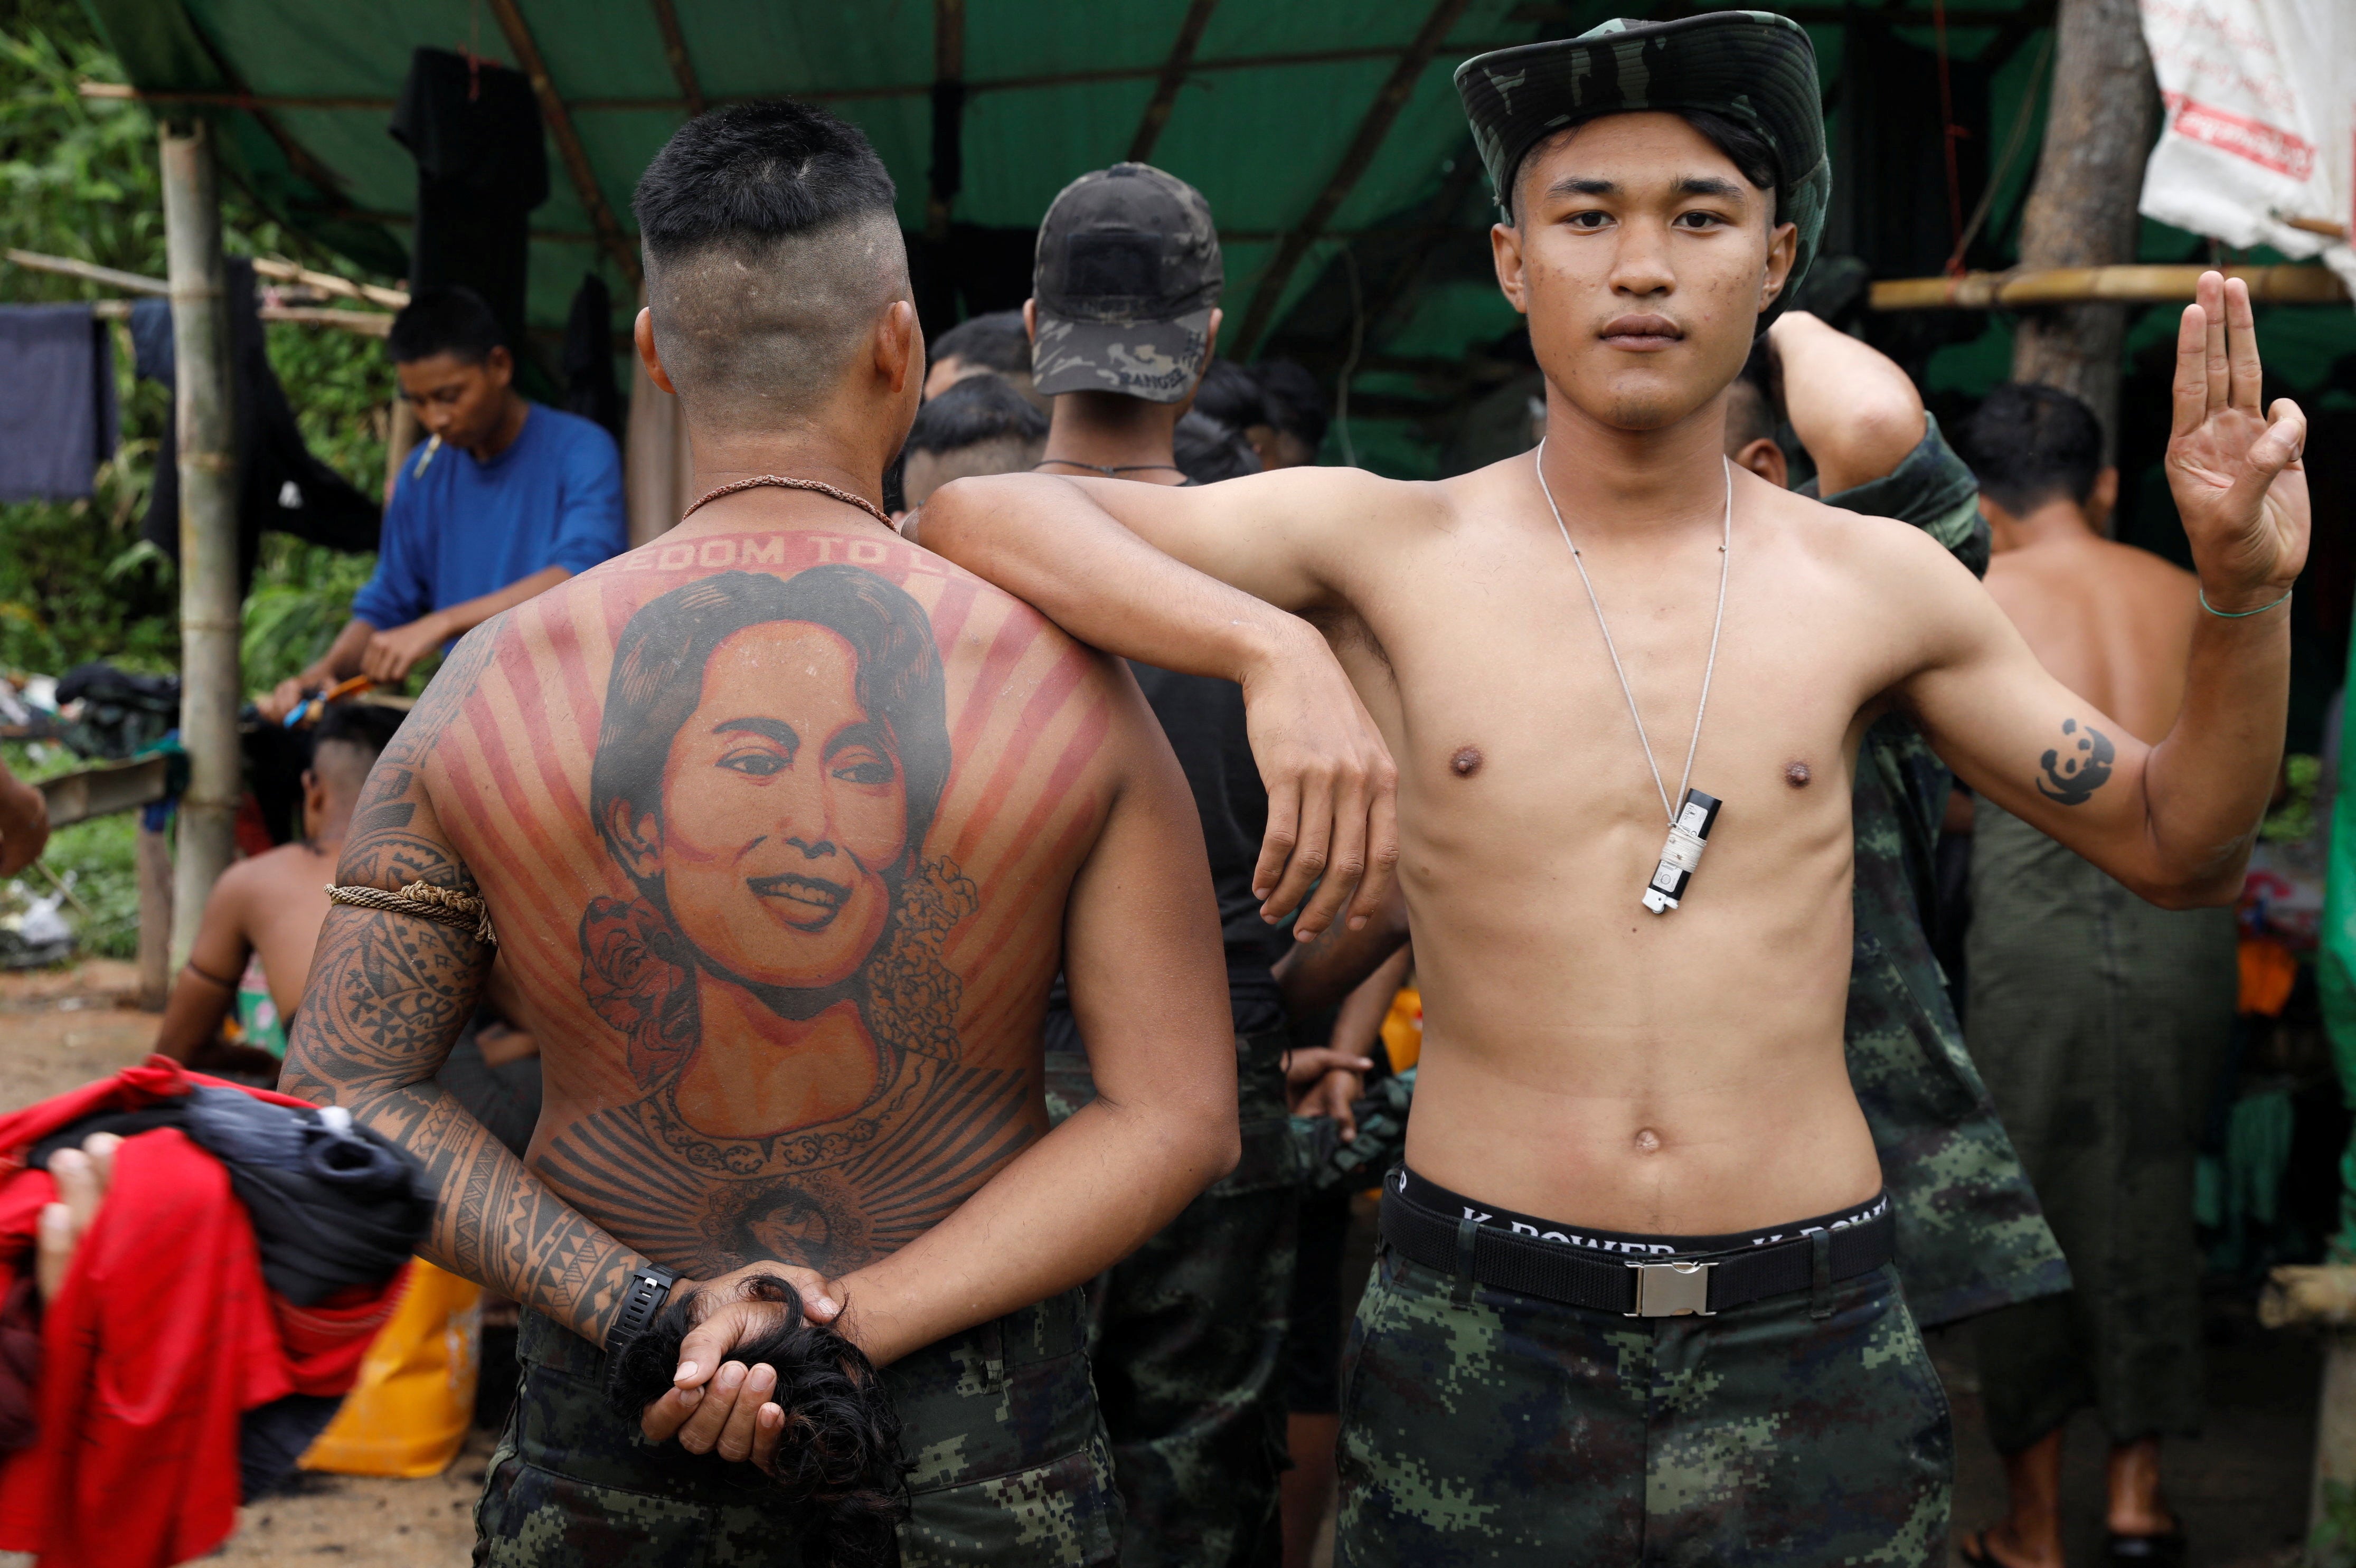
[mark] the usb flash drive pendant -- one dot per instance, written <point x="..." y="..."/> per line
<point x="1681" y="856"/>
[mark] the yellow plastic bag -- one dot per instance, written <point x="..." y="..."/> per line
<point x="408" y="1414"/>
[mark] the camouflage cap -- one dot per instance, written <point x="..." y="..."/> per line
<point x="1754" y="68"/>
<point x="1127" y="273"/>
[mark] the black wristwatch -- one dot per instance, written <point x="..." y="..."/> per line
<point x="649" y="1288"/>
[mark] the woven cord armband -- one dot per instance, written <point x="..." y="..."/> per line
<point x="442" y="906"/>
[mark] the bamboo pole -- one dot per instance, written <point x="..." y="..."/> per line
<point x="367" y="322"/>
<point x="2120" y="284"/>
<point x="90" y="271"/>
<point x="288" y="272"/>
<point x="206" y="411"/>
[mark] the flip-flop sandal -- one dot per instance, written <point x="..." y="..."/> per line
<point x="2164" y="1551"/>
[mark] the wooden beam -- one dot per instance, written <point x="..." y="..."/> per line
<point x="568" y="140"/>
<point x="288" y="272"/>
<point x="2024" y="287"/>
<point x="1174" y="77"/>
<point x="1376" y="125"/>
<point x="367" y="322"/>
<point x="682" y="69"/>
<point x="90" y="271"/>
<point x="249" y="101"/>
<point x="375" y="324"/>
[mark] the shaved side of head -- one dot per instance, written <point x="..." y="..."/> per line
<point x="772" y="246"/>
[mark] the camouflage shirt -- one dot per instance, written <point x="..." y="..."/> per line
<point x="1970" y="1233"/>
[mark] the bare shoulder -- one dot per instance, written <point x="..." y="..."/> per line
<point x="1905" y="602"/>
<point x="2146" y="569"/>
<point x="286" y="869"/>
<point x="1894" y="562"/>
<point x="1001" y="651"/>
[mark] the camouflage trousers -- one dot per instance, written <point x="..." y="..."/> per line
<point x="1186" y="1335"/>
<point x="1010" y="1461"/>
<point x="1481" y="1426"/>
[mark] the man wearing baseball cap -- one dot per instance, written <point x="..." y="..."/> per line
<point x="1185" y="1333"/>
<point x="1123" y="312"/>
<point x="1635" y="1301"/>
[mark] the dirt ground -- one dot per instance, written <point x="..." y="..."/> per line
<point x="2242" y="1487"/>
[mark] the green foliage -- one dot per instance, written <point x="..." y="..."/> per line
<point x="78" y="177"/>
<point x="2293" y="819"/>
<point x="302" y="597"/>
<point x="79" y="174"/>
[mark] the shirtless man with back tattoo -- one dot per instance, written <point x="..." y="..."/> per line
<point x="785" y="826"/>
<point x="1635" y="1301"/>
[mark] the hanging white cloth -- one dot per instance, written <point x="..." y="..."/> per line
<point x="2259" y="138"/>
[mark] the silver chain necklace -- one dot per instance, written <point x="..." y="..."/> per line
<point x="1695" y="814"/>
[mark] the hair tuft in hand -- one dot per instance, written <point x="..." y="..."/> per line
<point x="839" y="1469"/>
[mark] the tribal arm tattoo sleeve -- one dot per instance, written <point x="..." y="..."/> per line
<point x="388" y="997"/>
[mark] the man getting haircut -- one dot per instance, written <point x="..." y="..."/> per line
<point x="1635" y="1300"/>
<point x="265" y="911"/>
<point x="784" y="828"/>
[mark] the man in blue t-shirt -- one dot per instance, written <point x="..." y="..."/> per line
<point x="507" y="500"/>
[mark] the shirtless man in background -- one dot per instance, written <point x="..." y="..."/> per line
<point x="1599" y="1079"/>
<point x="2100" y="1022"/>
<point x="784" y="825"/>
<point x="270" y="906"/>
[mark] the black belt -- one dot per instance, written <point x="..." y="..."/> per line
<point x="1653" y="1287"/>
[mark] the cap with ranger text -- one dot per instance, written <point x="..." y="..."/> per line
<point x="1126" y="275"/>
<point x="1754" y="68"/>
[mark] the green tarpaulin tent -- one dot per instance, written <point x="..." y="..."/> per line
<point x="1327" y="137"/>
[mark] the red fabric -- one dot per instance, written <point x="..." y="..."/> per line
<point x="163" y="1335"/>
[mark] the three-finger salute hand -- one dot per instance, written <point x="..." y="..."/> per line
<point x="1333" y="790"/>
<point x="2234" y="468"/>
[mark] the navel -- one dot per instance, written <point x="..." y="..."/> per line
<point x="1796" y="774"/>
<point x="1647" y="1141"/>
<point x="1466" y="762"/>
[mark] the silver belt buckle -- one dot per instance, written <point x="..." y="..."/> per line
<point x="1672" y="1290"/>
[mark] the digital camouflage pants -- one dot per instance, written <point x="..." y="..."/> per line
<point x="1010" y="1460"/>
<point x="1186" y="1335"/>
<point x="1480" y="1426"/>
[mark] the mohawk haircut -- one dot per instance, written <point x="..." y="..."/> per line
<point x="772" y="244"/>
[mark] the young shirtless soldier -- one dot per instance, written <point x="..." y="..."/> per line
<point x="270" y="906"/>
<point x="784" y="827"/>
<point x="1635" y="1302"/>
